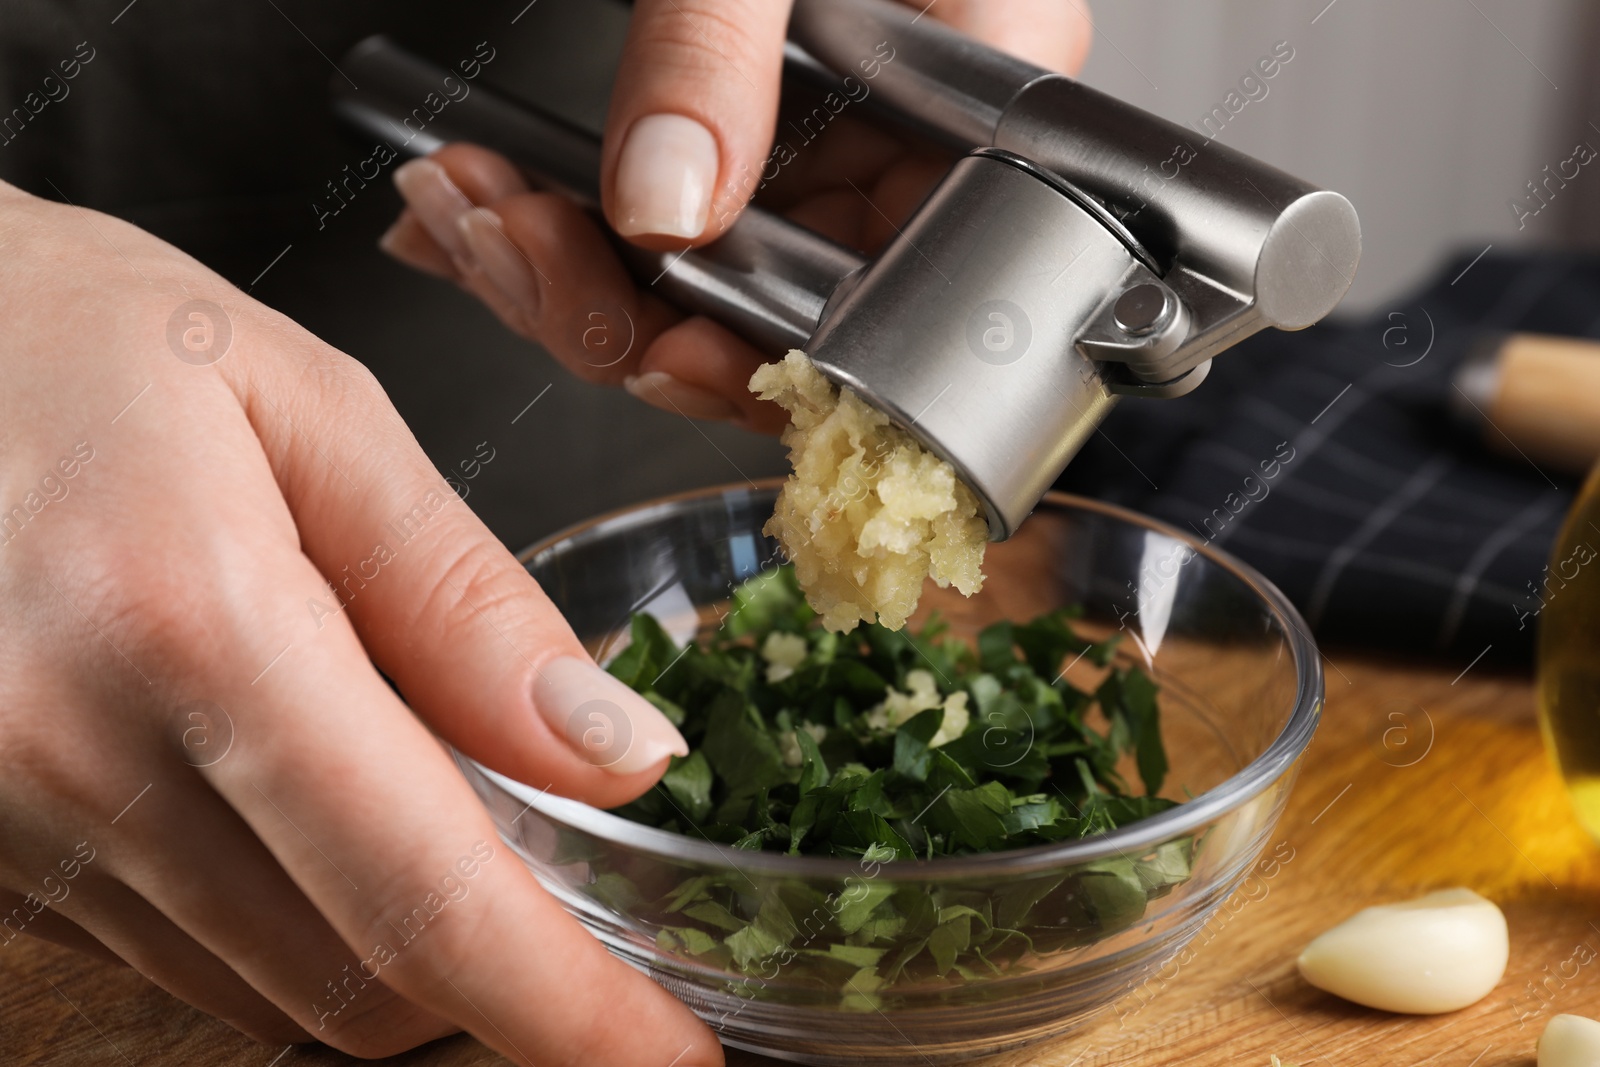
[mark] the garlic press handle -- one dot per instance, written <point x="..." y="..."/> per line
<point x="766" y="278"/>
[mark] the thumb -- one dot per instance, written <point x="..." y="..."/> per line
<point x="692" y="117"/>
<point x="474" y="645"/>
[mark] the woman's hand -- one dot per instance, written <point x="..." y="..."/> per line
<point x="687" y="141"/>
<point x="215" y="532"/>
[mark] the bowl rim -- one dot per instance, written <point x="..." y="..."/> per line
<point x="1134" y="839"/>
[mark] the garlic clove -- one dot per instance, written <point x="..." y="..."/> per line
<point x="1437" y="953"/>
<point x="1570" y="1041"/>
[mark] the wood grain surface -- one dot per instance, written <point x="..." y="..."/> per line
<point x="1415" y="781"/>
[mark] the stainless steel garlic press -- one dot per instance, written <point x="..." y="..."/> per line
<point x="1080" y="250"/>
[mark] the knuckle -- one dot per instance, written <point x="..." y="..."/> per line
<point x="433" y="933"/>
<point x="83" y="786"/>
<point x="377" y="1023"/>
<point x="700" y="37"/>
<point x="481" y="581"/>
<point x="164" y="618"/>
<point x="159" y="646"/>
<point x="154" y="615"/>
<point x="341" y="383"/>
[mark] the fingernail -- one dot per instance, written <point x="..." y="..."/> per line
<point x="407" y="242"/>
<point x="661" y="390"/>
<point x="602" y="720"/>
<point x="391" y="241"/>
<point x="665" y="176"/>
<point x="429" y="192"/>
<point x="501" y="261"/>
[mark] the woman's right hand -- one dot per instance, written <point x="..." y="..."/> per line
<point x="688" y="140"/>
<point x="215" y="532"/>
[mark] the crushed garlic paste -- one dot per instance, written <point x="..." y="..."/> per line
<point x="867" y="513"/>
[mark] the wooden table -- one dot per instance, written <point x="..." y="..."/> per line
<point x="1415" y="781"/>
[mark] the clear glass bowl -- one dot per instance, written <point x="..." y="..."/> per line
<point x="1241" y="692"/>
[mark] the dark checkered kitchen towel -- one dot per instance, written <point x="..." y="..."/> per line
<point x="1328" y="460"/>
